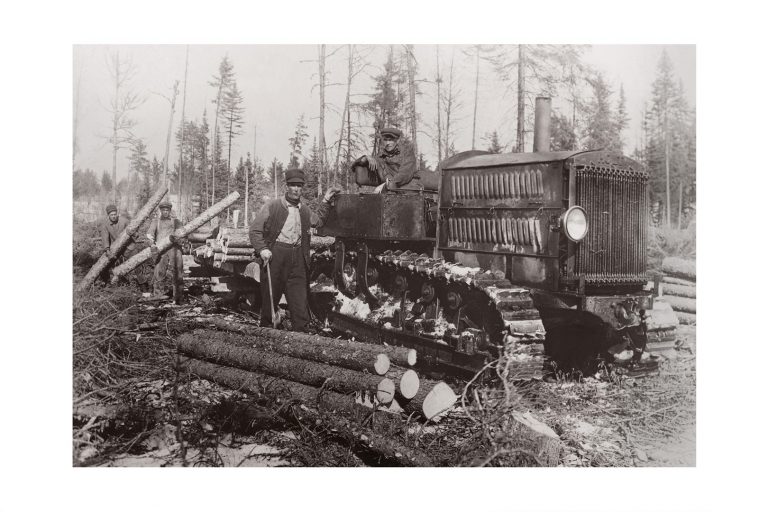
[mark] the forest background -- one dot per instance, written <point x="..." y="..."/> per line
<point x="146" y="113"/>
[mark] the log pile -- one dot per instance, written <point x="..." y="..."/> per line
<point x="345" y="367"/>
<point x="678" y="288"/>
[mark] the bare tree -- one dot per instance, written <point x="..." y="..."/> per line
<point x="183" y="121"/>
<point x="121" y="104"/>
<point x="321" y="129"/>
<point x="450" y="104"/>
<point x="412" y="116"/>
<point x="172" y="101"/>
<point x="220" y="82"/>
<point x="477" y="85"/>
<point x="438" y="79"/>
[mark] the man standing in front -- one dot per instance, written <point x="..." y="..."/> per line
<point x="280" y="236"/>
<point x="159" y="229"/>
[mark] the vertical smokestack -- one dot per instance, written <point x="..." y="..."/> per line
<point x="541" y="131"/>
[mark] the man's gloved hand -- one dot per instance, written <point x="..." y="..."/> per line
<point x="108" y="253"/>
<point x="331" y="193"/>
<point x="173" y="239"/>
<point x="372" y="165"/>
<point x="266" y="255"/>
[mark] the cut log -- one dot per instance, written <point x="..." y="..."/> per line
<point x="123" y="239"/>
<point x="532" y="435"/>
<point x="681" y="303"/>
<point x="397" y="355"/>
<point x="238" y="251"/>
<point x="678" y="267"/>
<point x="678" y="290"/>
<point x="164" y="244"/>
<point x="298" y="370"/>
<point x="198" y="237"/>
<point x="430" y="401"/>
<point x="686" y="318"/>
<point x="678" y="281"/>
<point x="237" y="240"/>
<point x="235" y="258"/>
<point x="404" y="379"/>
<point x="288" y="344"/>
<point x="352" y="422"/>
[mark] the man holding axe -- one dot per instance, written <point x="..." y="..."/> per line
<point x="280" y="236"/>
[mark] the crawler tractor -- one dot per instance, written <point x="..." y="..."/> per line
<point x="540" y="256"/>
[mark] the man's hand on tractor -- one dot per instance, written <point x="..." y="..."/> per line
<point x="266" y="255"/>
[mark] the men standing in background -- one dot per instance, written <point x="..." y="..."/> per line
<point x="163" y="227"/>
<point x="280" y="236"/>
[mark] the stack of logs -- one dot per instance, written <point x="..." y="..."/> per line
<point x="678" y="287"/>
<point x="303" y="365"/>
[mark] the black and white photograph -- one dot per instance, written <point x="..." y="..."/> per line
<point x="484" y="256"/>
<point x="384" y="255"/>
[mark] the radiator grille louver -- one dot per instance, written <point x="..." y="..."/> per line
<point x="616" y="203"/>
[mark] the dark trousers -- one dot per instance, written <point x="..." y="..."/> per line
<point x="161" y="269"/>
<point x="289" y="276"/>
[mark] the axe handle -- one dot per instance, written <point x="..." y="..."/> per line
<point x="275" y="320"/>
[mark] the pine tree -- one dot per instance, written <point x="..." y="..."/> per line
<point x="563" y="137"/>
<point x="232" y="120"/>
<point x="106" y="182"/>
<point x="600" y="130"/>
<point x="296" y="143"/>
<point x="388" y="104"/>
<point x="494" y="146"/>
<point x="220" y="83"/>
<point x="139" y="163"/>
<point x="622" y="118"/>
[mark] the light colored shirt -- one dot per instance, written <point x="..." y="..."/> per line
<point x="291" y="231"/>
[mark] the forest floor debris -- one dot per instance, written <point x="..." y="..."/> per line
<point x="129" y="409"/>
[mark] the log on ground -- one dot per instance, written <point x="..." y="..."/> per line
<point x="683" y="304"/>
<point x="238" y="251"/>
<point x="312" y="373"/>
<point x="686" y="318"/>
<point x="680" y="268"/>
<point x="401" y="356"/>
<point x="406" y="381"/>
<point x="288" y="344"/>
<point x="430" y="400"/>
<point x="678" y="290"/>
<point x="360" y="425"/>
<point x="677" y="281"/>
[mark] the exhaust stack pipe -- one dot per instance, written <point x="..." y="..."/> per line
<point x="541" y="124"/>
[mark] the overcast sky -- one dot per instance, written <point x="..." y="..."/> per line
<point x="278" y="85"/>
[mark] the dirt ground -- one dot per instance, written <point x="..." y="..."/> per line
<point x="130" y="407"/>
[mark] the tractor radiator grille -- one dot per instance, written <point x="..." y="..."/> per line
<point x="616" y="203"/>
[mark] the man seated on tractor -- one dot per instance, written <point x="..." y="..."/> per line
<point x="394" y="168"/>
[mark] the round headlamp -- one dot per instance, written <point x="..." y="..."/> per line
<point x="575" y="225"/>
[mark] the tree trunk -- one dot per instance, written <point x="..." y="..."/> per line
<point x="215" y="142"/>
<point x="397" y="355"/>
<point x="233" y="258"/>
<point x="683" y="304"/>
<point x="406" y="381"/>
<point x="679" y="290"/>
<point x="181" y="150"/>
<point x="678" y="267"/>
<point x="520" y="99"/>
<point x="282" y="342"/>
<point x="165" y="244"/>
<point x="124" y="238"/>
<point x="353" y="422"/>
<point x="678" y="281"/>
<point x="298" y="370"/>
<point x="412" y="98"/>
<point x="439" y="108"/>
<point x="115" y="120"/>
<point x="237" y="251"/>
<point x="431" y="400"/>
<point x="532" y="435"/>
<point x="321" y="135"/>
<point x="170" y="130"/>
<point x="477" y="84"/>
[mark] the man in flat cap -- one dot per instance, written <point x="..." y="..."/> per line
<point x="110" y="229"/>
<point x="280" y="236"/>
<point x="395" y="167"/>
<point x="161" y="228"/>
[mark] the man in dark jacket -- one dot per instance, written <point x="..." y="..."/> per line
<point x="110" y="229"/>
<point x="395" y="167"/>
<point x="280" y="236"/>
